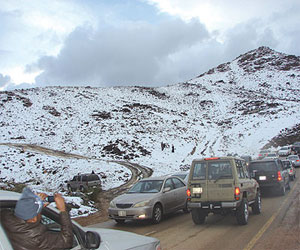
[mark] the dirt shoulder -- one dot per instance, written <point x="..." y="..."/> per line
<point x="285" y="231"/>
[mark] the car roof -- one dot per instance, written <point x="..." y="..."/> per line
<point x="180" y="173"/>
<point x="156" y="178"/>
<point x="9" y="195"/>
<point x="219" y="158"/>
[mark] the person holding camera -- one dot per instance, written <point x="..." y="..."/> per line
<point x="25" y="230"/>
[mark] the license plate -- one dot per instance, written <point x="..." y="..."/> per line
<point x="122" y="213"/>
<point x="262" y="178"/>
<point x="197" y="190"/>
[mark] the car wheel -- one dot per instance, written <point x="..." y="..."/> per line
<point x="120" y="221"/>
<point x="81" y="189"/>
<point x="157" y="214"/>
<point x="198" y="216"/>
<point x="256" y="207"/>
<point x="69" y="188"/>
<point x="242" y="213"/>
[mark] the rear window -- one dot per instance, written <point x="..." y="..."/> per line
<point x="219" y="169"/>
<point x="216" y="170"/>
<point x="293" y="157"/>
<point x="199" y="171"/>
<point x="263" y="166"/>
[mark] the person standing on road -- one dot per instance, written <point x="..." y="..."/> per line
<point x="24" y="227"/>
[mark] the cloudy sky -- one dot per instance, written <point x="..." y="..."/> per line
<point x="135" y="42"/>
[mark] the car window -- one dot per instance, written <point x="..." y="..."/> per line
<point x="199" y="171"/>
<point x="219" y="169"/>
<point x="169" y="184"/>
<point x="240" y="170"/>
<point x="245" y="167"/>
<point x="84" y="178"/>
<point x="153" y="186"/>
<point x="178" y="183"/>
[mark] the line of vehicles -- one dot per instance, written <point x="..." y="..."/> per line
<point x="217" y="185"/>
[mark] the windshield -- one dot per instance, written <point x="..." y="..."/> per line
<point x="263" y="166"/>
<point x="153" y="186"/>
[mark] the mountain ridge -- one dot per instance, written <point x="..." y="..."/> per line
<point x="231" y="109"/>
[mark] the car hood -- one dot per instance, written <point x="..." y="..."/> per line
<point x="134" y="197"/>
<point x="112" y="239"/>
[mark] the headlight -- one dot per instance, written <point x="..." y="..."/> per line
<point x="112" y="204"/>
<point x="142" y="204"/>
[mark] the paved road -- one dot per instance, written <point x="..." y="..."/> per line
<point x="178" y="231"/>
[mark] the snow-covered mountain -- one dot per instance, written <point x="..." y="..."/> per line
<point x="237" y="107"/>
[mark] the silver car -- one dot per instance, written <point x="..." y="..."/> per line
<point x="84" y="237"/>
<point x="295" y="160"/>
<point x="150" y="198"/>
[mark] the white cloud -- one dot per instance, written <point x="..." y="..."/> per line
<point x="4" y="80"/>
<point x="220" y="14"/>
<point x="120" y="56"/>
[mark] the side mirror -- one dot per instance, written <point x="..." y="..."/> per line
<point x="167" y="189"/>
<point x="92" y="240"/>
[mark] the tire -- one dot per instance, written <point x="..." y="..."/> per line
<point x="256" y="207"/>
<point x="198" y="216"/>
<point x="157" y="214"/>
<point x="81" y="189"/>
<point x="69" y="188"/>
<point x="242" y="213"/>
<point x="120" y="221"/>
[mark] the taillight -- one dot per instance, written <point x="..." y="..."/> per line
<point x="188" y="193"/>
<point x="279" y="177"/>
<point x="237" y="193"/>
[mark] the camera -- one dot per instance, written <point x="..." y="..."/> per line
<point x="50" y="198"/>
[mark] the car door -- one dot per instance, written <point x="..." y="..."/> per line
<point x="180" y="192"/>
<point x="169" y="196"/>
<point x="245" y="182"/>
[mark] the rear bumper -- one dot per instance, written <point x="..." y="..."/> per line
<point x="270" y="184"/>
<point x="214" y="205"/>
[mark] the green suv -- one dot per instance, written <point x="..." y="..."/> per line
<point x="222" y="185"/>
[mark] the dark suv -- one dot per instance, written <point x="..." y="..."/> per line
<point x="271" y="174"/>
<point x="83" y="182"/>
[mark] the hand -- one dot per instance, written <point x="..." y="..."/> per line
<point x="60" y="202"/>
<point x="43" y="197"/>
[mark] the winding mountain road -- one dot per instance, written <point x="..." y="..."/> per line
<point x="137" y="172"/>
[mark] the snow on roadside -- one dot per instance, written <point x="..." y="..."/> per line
<point x="45" y="173"/>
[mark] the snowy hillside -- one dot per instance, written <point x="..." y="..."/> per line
<point x="237" y="107"/>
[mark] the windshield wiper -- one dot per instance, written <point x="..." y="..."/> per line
<point x="223" y="176"/>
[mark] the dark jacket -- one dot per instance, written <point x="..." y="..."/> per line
<point x="35" y="236"/>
